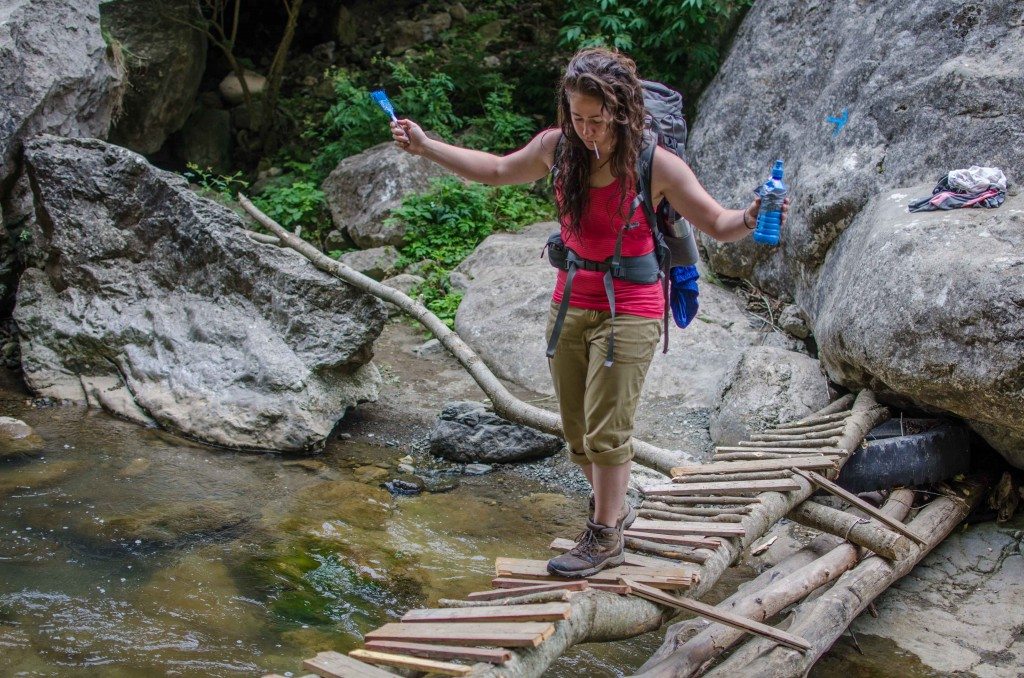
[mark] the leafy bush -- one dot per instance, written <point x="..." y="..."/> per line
<point x="226" y="186"/>
<point x="446" y="224"/>
<point x="500" y="129"/>
<point x="300" y="204"/>
<point x="676" y="41"/>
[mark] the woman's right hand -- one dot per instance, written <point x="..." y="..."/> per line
<point x="408" y="136"/>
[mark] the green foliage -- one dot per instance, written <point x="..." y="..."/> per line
<point x="500" y="129"/>
<point x="300" y="204"/>
<point x="224" y="185"/>
<point x="447" y="223"/>
<point x="676" y="41"/>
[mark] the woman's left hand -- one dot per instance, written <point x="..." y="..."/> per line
<point x="750" y="214"/>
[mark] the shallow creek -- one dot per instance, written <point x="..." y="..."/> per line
<point x="125" y="551"/>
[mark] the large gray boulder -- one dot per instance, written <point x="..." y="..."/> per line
<point x="153" y="304"/>
<point x="164" y="57"/>
<point x="364" y="188"/>
<point x="928" y="86"/>
<point x="504" y="313"/>
<point x="929" y="307"/>
<point x="56" y="75"/>
<point x="768" y="386"/>
<point x="466" y="432"/>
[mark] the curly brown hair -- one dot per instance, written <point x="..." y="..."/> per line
<point x="610" y="77"/>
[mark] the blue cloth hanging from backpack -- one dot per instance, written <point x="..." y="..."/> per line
<point x="683" y="294"/>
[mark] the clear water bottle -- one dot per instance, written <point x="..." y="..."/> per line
<point x="769" y="218"/>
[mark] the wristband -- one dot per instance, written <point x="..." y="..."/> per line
<point x="749" y="228"/>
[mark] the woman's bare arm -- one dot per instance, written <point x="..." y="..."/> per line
<point x="530" y="163"/>
<point x="674" y="180"/>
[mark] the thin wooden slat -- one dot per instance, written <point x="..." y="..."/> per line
<point x="407" y="662"/>
<point x="720" y="616"/>
<point x="682" y="527"/>
<point x="496" y="594"/>
<point x="492" y="613"/>
<point x="500" y="634"/>
<point x="337" y="665"/>
<point x="867" y="508"/>
<point x="537" y="569"/>
<point x="533" y="585"/>
<point x="713" y="500"/>
<point x="759" y="465"/>
<point x="814" y="421"/>
<point x="738" y="487"/>
<point x="779" y="449"/>
<point x="677" y="540"/>
<point x="473" y="654"/>
<point x="634" y="559"/>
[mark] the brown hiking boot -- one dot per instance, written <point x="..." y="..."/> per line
<point x="598" y="547"/>
<point x="626" y="516"/>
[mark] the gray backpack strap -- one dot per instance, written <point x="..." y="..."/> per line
<point x="563" y="308"/>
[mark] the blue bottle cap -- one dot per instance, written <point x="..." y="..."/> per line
<point x="777" y="170"/>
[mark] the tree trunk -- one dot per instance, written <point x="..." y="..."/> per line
<point x="270" y="94"/>
<point x="872" y="535"/>
<point x="505" y="404"/>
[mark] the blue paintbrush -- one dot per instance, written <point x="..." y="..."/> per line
<point x="382" y="100"/>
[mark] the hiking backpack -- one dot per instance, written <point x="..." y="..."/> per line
<point x="675" y="247"/>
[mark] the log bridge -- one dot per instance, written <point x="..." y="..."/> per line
<point x="687" y="533"/>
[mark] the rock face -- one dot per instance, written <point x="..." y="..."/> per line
<point x="58" y="79"/>
<point x="931" y="306"/>
<point x="767" y="386"/>
<point x="364" y="188"/>
<point x="165" y="58"/>
<point x="155" y="306"/>
<point x="928" y="87"/>
<point x="504" y="313"/>
<point x="467" y="432"/>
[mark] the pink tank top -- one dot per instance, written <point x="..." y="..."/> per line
<point x="601" y="223"/>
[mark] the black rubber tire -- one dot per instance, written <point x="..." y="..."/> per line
<point x="890" y="460"/>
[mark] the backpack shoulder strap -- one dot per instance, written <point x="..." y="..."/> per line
<point x="644" y="172"/>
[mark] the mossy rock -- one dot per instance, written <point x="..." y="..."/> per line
<point x="171" y="523"/>
<point x="17" y="438"/>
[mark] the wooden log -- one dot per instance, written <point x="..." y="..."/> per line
<point x="681" y="527"/>
<point x="676" y="540"/>
<point x="473" y="654"/>
<point x="813" y="421"/>
<point x="866" y="533"/>
<point x="680" y="515"/>
<point x="715" y="477"/>
<point x="337" y="665"/>
<point x="812" y="462"/>
<point x="694" y="510"/>
<point x="815" y="428"/>
<point x="798" y="444"/>
<point x="727" y="618"/>
<point x="526" y="598"/>
<point x="492" y="613"/>
<point x="414" y="663"/>
<point x="823" y="619"/>
<point x="867" y="508"/>
<point x="810" y="435"/>
<point x="711" y="501"/>
<point x="496" y="594"/>
<point x="666" y="551"/>
<point x="500" y="634"/>
<point x="697" y="642"/>
<point x="739" y="487"/>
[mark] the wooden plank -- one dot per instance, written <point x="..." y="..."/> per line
<point x="473" y="654"/>
<point x="867" y="508"/>
<point x="758" y="465"/>
<point x="677" y="540"/>
<point x="814" y="421"/>
<point x="536" y="587"/>
<point x="720" y="616"/>
<point x="783" y="450"/>
<point x="683" y="527"/>
<point x="337" y="665"/>
<point x="633" y="559"/>
<point x="714" y="501"/>
<point x="738" y="487"/>
<point x="415" y="663"/>
<point x="535" y="584"/>
<point x="500" y="634"/>
<point x="491" y="613"/>
<point x="537" y="569"/>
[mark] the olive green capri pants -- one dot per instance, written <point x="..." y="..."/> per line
<point x="598" y="403"/>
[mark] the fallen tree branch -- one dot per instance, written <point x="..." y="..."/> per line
<point x="865" y="532"/>
<point x="505" y="404"/>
